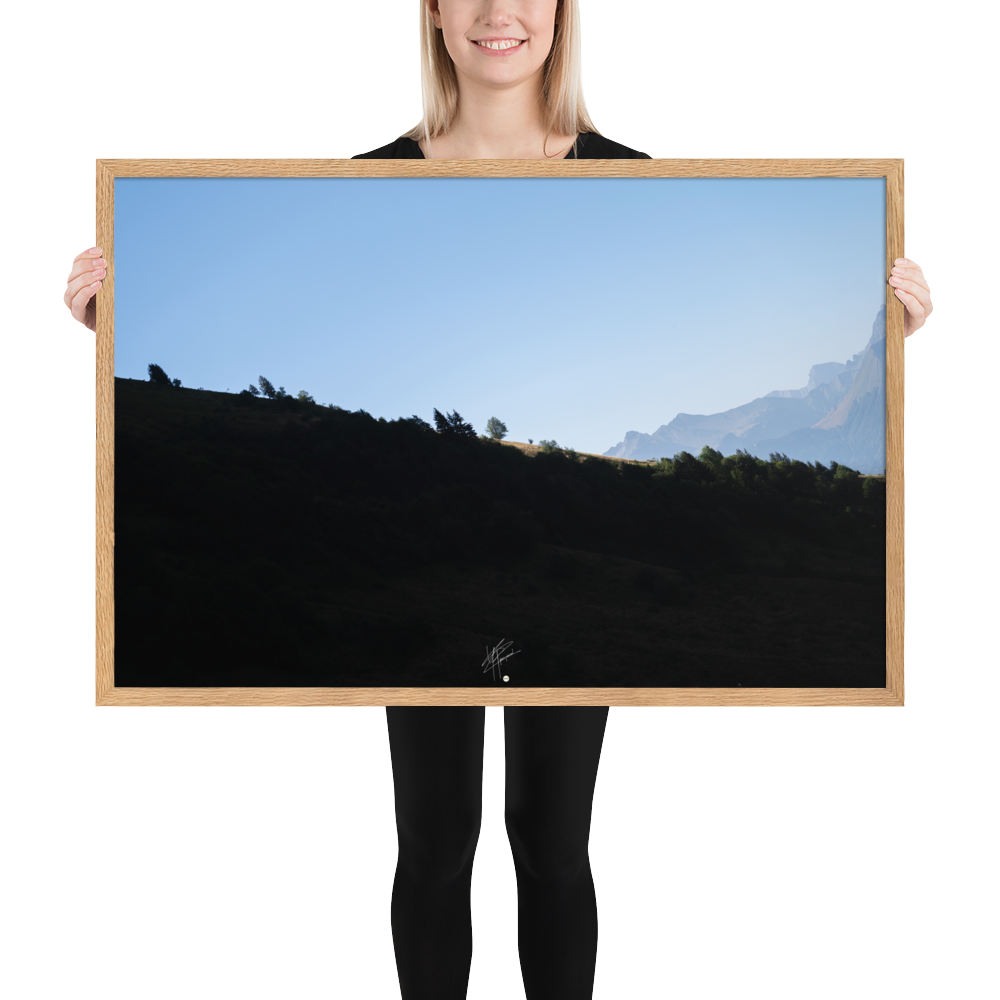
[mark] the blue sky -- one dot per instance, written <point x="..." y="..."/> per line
<point x="571" y="308"/>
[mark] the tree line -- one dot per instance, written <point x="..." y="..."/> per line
<point x="451" y="425"/>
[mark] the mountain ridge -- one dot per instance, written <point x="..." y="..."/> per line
<point x="835" y="397"/>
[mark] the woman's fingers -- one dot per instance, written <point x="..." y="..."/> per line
<point x="910" y="287"/>
<point x="85" y="277"/>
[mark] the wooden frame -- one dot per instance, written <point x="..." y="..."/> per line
<point x="108" y="694"/>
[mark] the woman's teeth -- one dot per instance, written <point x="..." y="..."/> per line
<point x="498" y="45"/>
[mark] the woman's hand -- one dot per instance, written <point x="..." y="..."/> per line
<point x="911" y="289"/>
<point x="89" y="268"/>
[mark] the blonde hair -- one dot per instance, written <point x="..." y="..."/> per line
<point x="564" y="110"/>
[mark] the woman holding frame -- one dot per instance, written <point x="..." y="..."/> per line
<point x="501" y="80"/>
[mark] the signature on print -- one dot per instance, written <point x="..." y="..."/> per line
<point x="496" y="656"/>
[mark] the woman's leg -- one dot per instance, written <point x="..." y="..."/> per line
<point x="437" y="772"/>
<point x="552" y="756"/>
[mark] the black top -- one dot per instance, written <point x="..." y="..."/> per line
<point x="588" y="146"/>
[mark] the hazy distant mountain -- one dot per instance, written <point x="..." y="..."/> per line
<point x="839" y="415"/>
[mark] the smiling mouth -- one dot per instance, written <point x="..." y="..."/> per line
<point x="499" y="44"/>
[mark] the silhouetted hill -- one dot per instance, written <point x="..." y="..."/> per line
<point x="265" y="542"/>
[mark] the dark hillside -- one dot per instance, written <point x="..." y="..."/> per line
<point x="276" y="542"/>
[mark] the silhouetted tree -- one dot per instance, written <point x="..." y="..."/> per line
<point x="453" y="425"/>
<point x="305" y="397"/>
<point x="252" y="391"/>
<point x="158" y="375"/>
<point x="496" y="429"/>
<point x="176" y="383"/>
<point x="266" y="387"/>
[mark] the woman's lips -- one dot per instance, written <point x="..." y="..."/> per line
<point x="487" y="49"/>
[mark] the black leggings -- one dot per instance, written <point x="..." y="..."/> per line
<point x="552" y="753"/>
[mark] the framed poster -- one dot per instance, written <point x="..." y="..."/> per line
<point x="500" y="432"/>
